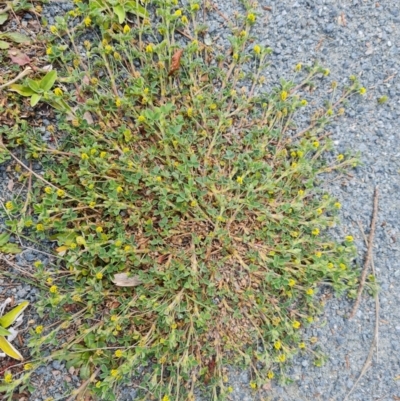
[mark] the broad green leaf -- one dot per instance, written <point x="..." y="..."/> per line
<point x="4" y="238"/>
<point x="9" y="349"/>
<point x="135" y="8"/>
<point x="65" y="238"/>
<point x="35" y="99"/>
<point x="16" y="37"/>
<point x="22" y="90"/>
<point x="48" y="80"/>
<point x="120" y="11"/>
<point x="9" y="318"/>
<point x="3" y="18"/>
<point x="34" y="85"/>
<point x="4" y="45"/>
<point x="10" y="248"/>
<point x="4" y="332"/>
<point x="60" y="105"/>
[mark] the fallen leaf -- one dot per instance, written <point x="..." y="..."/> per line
<point x="3" y="18"/>
<point x="175" y="62"/>
<point x="4" y="45"/>
<point x="62" y="250"/>
<point x="16" y="37"/>
<point x="10" y="185"/>
<point x="18" y="57"/>
<point x="123" y="280"/>
<point x="88" y="117"/>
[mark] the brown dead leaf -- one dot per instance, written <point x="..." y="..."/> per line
<point x="10" y="185"/>
<point x="123" y="280"/>
<point x="18" y="57"/>
<point x="175" y="61"/>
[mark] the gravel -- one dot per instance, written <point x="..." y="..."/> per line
<point x="358" y="37"/>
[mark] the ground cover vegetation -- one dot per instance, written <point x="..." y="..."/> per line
<point x="184" y="201"/>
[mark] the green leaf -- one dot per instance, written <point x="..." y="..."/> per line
<point x="4" y="45"/>
<point x="135" y="8"/>
<point x="9" y="318"/>
<point x="10" y="248"/>
<point x="35" y="99"/>
<point x="4" y="332"/>
<point x="3" y="18"/>
<point x="16" y="37"/>
<point x="48" y="80"/>
<point x="34" y="85"/>
<point x="22" y="90"/>
<point x="9" y="349"/>
<point x="64" y="238"/>
<point x="120" y="11"/>
<point x="4" y="238"/>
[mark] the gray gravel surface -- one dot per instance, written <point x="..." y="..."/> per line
<point x="359" y="37"/>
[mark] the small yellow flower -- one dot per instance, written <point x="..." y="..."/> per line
<point x="302" y="345"/>
<point x="284" y="95"/>
<point x="282" y="358"/>
<point x="53" y="29"/>
<point x="239" y="180"/>
<point x="184" y="20"/>
<point x="8" y="378"/>
<point x="362" y="91"/>
<point x="292" y="282"/>
<point x="257" y="49"/>
<point x="127" y="248"/>
<point x="213" y="106"/>
<point x="87" y="21"/>
<point x="149" y="48"/>
<point x="76" y="298"/>
<point x="310" y="319"/>
<point x="103" y="155"/>
<point x="195" y="7"/>
<point x="127" y="29"/>
<point x="39" y="329"/>
<point x="319" y="211"/>
<point x="340" y="157"/>
<point x="99" y="275"/>
<point x="349" y="238"/>
<point x="329" y="112"/>
<point x="315" y="231"/>
<point x="235" y="56"/>
<point x="300" y="192"/>
<point x="98" y="384"/>
<point x="92" y="204"/>
<point x="9" y="205"/>
<point x="304" y="102"/>
<point x="39" y="227"/>
<point x="48" y="190"/>
<point x="270" y="374"/>
<point x="330" y="265"/>
<point x="294" y="234"/>
<point x="118" y="353"/>
<point x="326" y="72"/>
<point x="108" y="49"/>
<point x="165" y="398"/>
<point x="119" y="190"/>
<point x="251" y="18"/>
<point x="49" y="280"/>
<point x="342" y="266"/>
<point x="277" y="345"/>
<point x="49" y="51"/>
<point x="276" y="320"/>
<point x="84" y="156"/>
<point x="141" y="119"/>
<point x="114" y="372"/>
<point x="158" y="179"/>
<point x="189" y="112"/>
<point x="318" y="254"/>
<point x="118" y="102"/>
<point x="118" y="243"/>
<point x="80" y="240"/>
<point x="193" y="203"/>
<point x="53" y="289"/>
<point x="28" y="366"/>
<point x="296" y="324"/>
<point x="310" y="291"/>
<point x="315" y="144"/>
<point x="178" y="13"/>
<point x="230" y="389"/>
<point x="337" y="205"/>
<point x="298" y="67"/>
<point x="253" y="385"/>
<point x="94" y="81"/>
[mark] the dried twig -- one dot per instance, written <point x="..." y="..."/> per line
<point x="84" y="385"/>
<point x="21" y="75"/>
<point x="369" y="255"/>
<point x="376" y="329"/>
